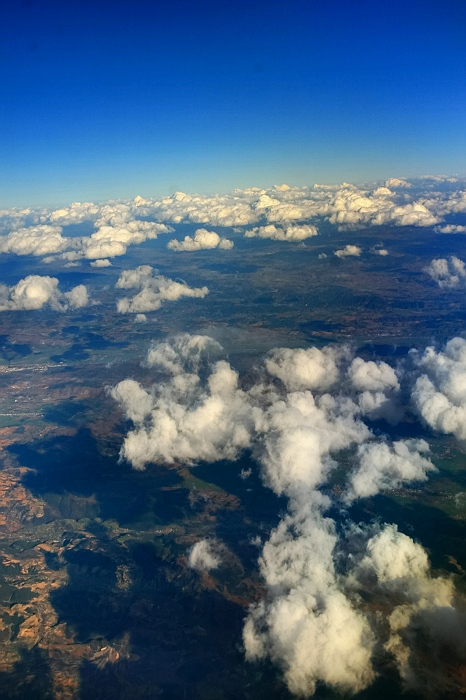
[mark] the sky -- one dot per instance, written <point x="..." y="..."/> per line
<point x="112" y="99"/>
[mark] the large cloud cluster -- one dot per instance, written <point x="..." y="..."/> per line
<point x="153" y="290"/>
<point x="310" y="621"/>
<point x="202" y="240"/>
<point x="36" y="291"/>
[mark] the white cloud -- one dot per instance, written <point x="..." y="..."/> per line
<point x="189" y="419"/>
<point x="308" y="368"/>
<point x="447" y="273"/>
<point x="101" y="262"/>
<point x="372" y="376"/>
<point x="383" y="467"/>
<point x="136" y="401"/>
<point x="307" y="624"/>
<point x="439" y="394"/>
<point x="423" y="623"/>
<point x="397" y="182"/>
<point x="202" y="240"/>
<point x="36" y="291"/>
<point x="34" y="240"/>
<point x="77" y="297"/>
<point x="348" y="250"/>
<point x="74" y="214"/>
<point x="290" y="233"/>
<point x="154" y="290"/>
<point x="451" y="228"/>
<point x="204" y="556"/>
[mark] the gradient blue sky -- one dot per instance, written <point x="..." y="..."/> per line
<point x="111" y="99"/>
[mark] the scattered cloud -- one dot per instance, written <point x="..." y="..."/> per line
<point x="204" y="556"/>
<point x="348" y="250"/>
<point x="451" y="228"/>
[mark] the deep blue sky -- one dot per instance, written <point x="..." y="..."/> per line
<point x="109" y="99"/>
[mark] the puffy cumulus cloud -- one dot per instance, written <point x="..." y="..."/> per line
<point x="447" y="273"/>
<point x="415" y="214"/>
<point x="355" y="208"/>
<point x="378" y="251"/>
<point x="116" y="230"/>
<point x="36" y="291"/>
<point x="451" y="228"/>
<point x="382" y="191"/>
<point x="397" y="182"/>
<point x="300" y="432"/>
<point x="204" y="555"/>
<point x="13" y="219"/>
<point x="383" y="467"/>
<point x="241" y="207"/>
<point x="372" y="376"/>
<point x="307" y="624"/>
<point x="112" y="240"/>
<point x="74" y="214"/>
<point x="137" y="402"/>
<point x="290" y="233"/>
<point x="184" y="355"/>
<point x="34" y="240"/>
<point x="140" y="318"/>
<point x="202" y="240"/>
<point x="101" y="262"/>
<point x="423" y="623"/>
<point x="77" y="297"/>
<point x="220" y="210"/>
<point x="439" y="393"/>
<point x="308" y="368"/>
<point x="348" y="250"/>
<point x="187" y="419"/>
<point x="154" y="290"/>
<point x="379" y="388"/>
